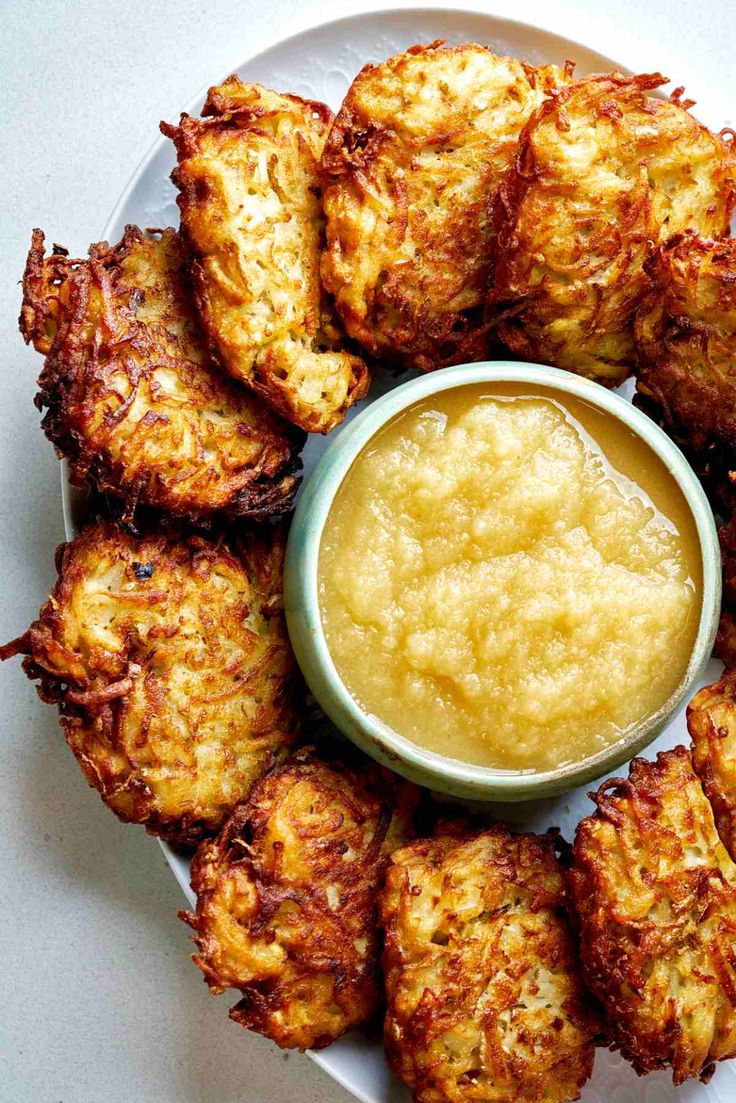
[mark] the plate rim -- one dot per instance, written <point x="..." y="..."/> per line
<point x="328" y="15"/>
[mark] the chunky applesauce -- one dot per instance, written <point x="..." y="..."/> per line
<point x="509" y="578"/>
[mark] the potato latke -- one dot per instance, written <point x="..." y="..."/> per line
<point x="711" y="721"/>
<point x="485" y="1001"/>
<point x="656" y="895"/>
<point x="686" y="340"/>
<point x="286" y="897"/>
<point x="603" y="171"/>
<point x="133" y="400"/>
<point x="169" y="660"/>
<point x="413" y="156"/>
<point x="250" y="205"/>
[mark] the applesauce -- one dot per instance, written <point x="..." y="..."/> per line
<point x="510" y="577"/>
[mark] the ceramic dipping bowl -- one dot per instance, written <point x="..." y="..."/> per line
<point x="436" y="771"/>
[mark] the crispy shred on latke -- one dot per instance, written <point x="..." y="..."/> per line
<point x="711" y="721"/>
<point x="655" y="891"/>
<point x="686" y="344"/>
<point x="286" y="897"/>
<point x="133" y="399"/>
<point x="417" y="147"/>
<point x="169" y="660"/>
<point x="603" y="171"/>
<point x="250" y="206"/>
<point x="485" y="1000"/>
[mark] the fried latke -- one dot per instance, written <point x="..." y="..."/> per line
<point x="418" y="145"/>
<point x="686" y="340"/>
<point x="132" y="397"/>
<point x="250" y="205"/>
<point x="286" y="897"/>
<point x="485" y="1000"/>
<point x="711" y="721"/>
<point x="656" y="895"/>
<point x="603" y="171"/>
<point x="169" y="660"/>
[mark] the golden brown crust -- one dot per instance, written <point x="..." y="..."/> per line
<point x="170" y="663"/>
<point x="418" y="145"/>
<point x="286" y="897"/>
<point x="686" y="343"/>
<point x="603" y="171"/>
<point x="711" y="721"/>
<point x="250" y="205"/>
<point x="485" y="1000"/>
<point x="656" y="896"/>
<point x="133" y="400"/>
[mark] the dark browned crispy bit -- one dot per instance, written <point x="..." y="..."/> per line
<point x="655" y="891"/>
<point x="485" y="999"/>
<point x="132" y="397"/>
<point x="418" y="145"/>
<point x="251" y="209"/>
<point x="604" y="171"/>
<point x="286" y="897"/>
<point x="169" y="660"/>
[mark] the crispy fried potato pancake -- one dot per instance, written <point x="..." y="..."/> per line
<point x="686" y="340"/>
<point x="603" y="170"/>
<point x="169" y="659"/>
<point x="711" y="721"/>
<point x="133" y="399"/>
<point x="485" y="1000"/>
<point x="250" y="205"/>
<point x="418" y="146"/>
<point x="286" y="897"/>
<point x="656" y="895"/>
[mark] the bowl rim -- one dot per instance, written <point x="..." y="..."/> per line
<point x="302" y="598"/>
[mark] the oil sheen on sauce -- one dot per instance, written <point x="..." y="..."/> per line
<point x="511" y="578"/>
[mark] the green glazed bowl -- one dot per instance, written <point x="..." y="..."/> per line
<point x="436" y="771"/>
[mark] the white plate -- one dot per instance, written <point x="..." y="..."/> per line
<point x="319" y="62"/>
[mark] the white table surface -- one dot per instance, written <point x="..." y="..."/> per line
<point x="98" y="999"/>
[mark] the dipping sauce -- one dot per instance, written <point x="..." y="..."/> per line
<point x="511" y="578"/>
